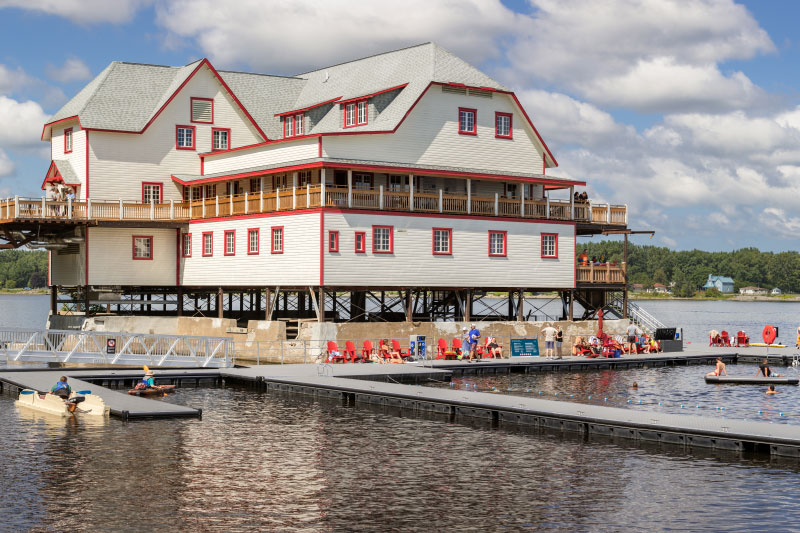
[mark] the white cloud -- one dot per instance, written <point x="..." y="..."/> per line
<point x="645" y="54"/>
<point x="13" y="80"/>
<point x="73" y="69"/>
<point x="7" y="166"/>
<point x="82" y="11"/>
<point x="291" y="37"/>
<point x="22" y="122"/>
<point x="778" y="221"/>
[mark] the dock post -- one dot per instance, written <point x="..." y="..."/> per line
<point x="267" y="306"/>
<point x="220" y="302"/>
<point x="54" y="299"/>
<point x="86" y="301"/>
<point x="180" y="301"/>
<point x="321" y="305"/>
<point x="571" y="305"/>
<point x="409" y="303"/>
<point x="521" y="306"/>
<point x="468" y="306"/>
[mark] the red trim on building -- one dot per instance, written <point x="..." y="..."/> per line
<point x="86" y="248"/>
<point x="555" y="246"/>
<point x="228" y="130"/>
<point x="304" y="109"/>
<point x="370" y="95"/>
<point x="333" y="241"/>
<point x="203" y="244"/>
<point x="51" y="124"/>
<point x="225" y="242"/>
<point x="68" y="130"/>
<point x="133" y="247"/>
<point x="356" y="114"/>
<point x="160" y="190"/>
<point x="391" y="240"/>
<point x="363" y="248"/>
<point x="194" y="137"/>
<point x="258" y="241"/>
<point x="272" y="249"/>
<point x="191" y="110"/>
<point x="505" y="243"/>
<point x="449" y="241"/>
<point x="319" y="145"/>
<point x="510" y="116"/>
<point x="474" y="130"/>
<point x="183" y="245"/>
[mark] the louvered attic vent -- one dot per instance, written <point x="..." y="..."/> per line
<point x="70" y="249"/>
<point x="453" y="90"/>
<point x="481" y="93"/>
<point x="202" y="110"/>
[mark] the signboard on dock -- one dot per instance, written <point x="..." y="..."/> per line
<point x="111" y="346"/>
<point x="524" y="347"/>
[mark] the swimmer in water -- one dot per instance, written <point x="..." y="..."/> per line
<point x="771" y="390"/>
<point x="719" y="370"/>
<point x="635" y="386"/>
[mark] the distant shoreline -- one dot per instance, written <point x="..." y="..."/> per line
<point x="29" y="292"/>
<point x="737" y="298"/>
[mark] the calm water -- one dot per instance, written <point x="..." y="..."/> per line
<point x="678" y="390"/>
<point x="258" y="461"/>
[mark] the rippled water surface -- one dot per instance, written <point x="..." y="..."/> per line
<point x="274" y="462"/>
<point x="680" y="390"/>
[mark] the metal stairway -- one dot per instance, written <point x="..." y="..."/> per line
<point x="636" y="314"/>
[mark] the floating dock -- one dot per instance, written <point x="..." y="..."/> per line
<point x="396" y="386"/>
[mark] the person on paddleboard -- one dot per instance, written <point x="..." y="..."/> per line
<point x="719" y="370"/>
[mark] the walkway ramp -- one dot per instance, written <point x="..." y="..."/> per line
<point x="121" y="404"/>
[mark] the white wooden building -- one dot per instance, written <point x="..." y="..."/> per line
<point x="409" y="170"/>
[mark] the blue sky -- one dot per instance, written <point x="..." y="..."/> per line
<point x="685" y="111"/>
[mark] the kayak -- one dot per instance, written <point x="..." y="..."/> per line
<point x="158" y="390"/>
<point x="763" y="345"/>
<point x="86" y="404"/>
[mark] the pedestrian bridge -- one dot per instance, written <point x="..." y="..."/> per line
<point x="114" y="348"/>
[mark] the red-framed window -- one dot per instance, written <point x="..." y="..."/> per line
<point x="382" y="239"/>
<point x="186" y="245"/>
<point x="550" y="245"/>
<point x="184" y="137"/>
<point x="210" y="190"/>
<point x="503" y="126"/>
<point x="68" y="140"/>
<point x="220" y="139"/>
<point x="252" y="241"/>
<point x="361" y="242"/>
<point x="333" y="241"/>
<point x="442" y="241"/>
<point x="152" y="192"/>
<point x="288" y="126"/>
<point x="142" y="247"/>
<point x="230" y="242"/>
<point x="276" y="243"/>
<point x="498" y="244"/>
<point x="202" y="110"/>
<point x="467" y="121"/>
<point x="298" y="124"/>
<point x="356" y="113"/>
<point x="208" y="243"/>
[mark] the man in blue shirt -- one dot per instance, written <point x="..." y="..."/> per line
<point x="473" y="341"/>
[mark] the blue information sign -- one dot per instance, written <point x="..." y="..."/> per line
<point x="524" y="347"/>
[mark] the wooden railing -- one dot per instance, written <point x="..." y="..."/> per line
<point x="600" y="273"/>
<point x="311" y="197"/>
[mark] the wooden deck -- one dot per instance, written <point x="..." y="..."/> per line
<point x="43" y="209"/>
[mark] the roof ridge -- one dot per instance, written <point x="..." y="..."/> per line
<point x="367" y="57"/>
<point x="144" y="64"/>
<point x="262" y="74"/>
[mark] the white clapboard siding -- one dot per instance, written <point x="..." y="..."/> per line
<point x="120" y="162"/>
<point x="67" y="269"/>
<point x="429" y="136"/>
<point x="268" y="154"/>
<point x="297" y="265"/>
<point x="78" y="155"/>
<point x="413" y="263"/>
<point x="111" y="257"/>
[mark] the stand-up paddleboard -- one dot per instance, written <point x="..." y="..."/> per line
<point x="752" y="380"/>
<point x="763" y="345"/>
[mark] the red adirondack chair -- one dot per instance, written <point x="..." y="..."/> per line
<point x="742" y="339"/>
<point x="396" y="349"/>
<point x="387" y="354"/>
<point x="724" y="339"/>
<point x="367" y="351"/>
<point x="350" y="351"/>
<point x="331" y="356"/>
<point x="456" y="345"/>
<point x="443" y="352"/>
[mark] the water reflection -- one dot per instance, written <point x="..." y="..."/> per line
<point x="277" y="462"/>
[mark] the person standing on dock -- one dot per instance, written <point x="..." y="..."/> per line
<point x="464" y="342"/>
<point x="559" y="341"/>
<point x="474" y="335"/>
<point x="550" y="334"/>
<point x="632" y="332"/>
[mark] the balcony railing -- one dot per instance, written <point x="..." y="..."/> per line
<point x="600" y="273"/>
<point x="310" y="197"/>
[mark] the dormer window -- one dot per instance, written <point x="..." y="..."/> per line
<point x="203" y="110"/>
<point x="356" y="114"/>
<point x="67" y="140"/>
<point x="293" y="125"/>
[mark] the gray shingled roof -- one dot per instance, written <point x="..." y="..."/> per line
<point x="67" y="172"/>
<point x="125" y="96"/>
<point x="266" y="168"/>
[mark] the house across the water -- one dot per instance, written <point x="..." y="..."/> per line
<point x="400" y="186"/>
<point x="753" y="291"/>
<point x="723" y="284"/>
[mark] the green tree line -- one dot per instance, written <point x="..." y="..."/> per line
<point x="689" y="270"/>
<point x="23" y="268"/>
